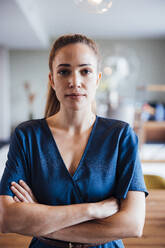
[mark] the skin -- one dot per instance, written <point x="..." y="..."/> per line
<point x="87" y="223"/>
<point x="75" y="70"/>
<point x="79" y="76"/>
<point x="107" y="229"/>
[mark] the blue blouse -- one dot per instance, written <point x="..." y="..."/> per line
<point x="109" y="166"/>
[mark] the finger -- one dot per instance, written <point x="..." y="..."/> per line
<point x="29" y="197"/>
<point x="19" y="188"/>
<point x="18" y="194"/>
<point x="22" y="191"/>
<point x="16" y="199"/>
<point x="28" y="189"/>
<point x="25" y="186"/>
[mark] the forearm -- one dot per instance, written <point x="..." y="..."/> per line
<point x="118" y="226"/>
<point x="127" y="222"/>
<point x="37" y="219"/>
<point x="25" y="216"/>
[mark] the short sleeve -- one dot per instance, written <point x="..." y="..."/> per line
<point x="129" y="175"/>
<point x="16" y="165"/>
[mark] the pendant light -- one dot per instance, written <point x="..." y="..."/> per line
<point x="94" y="6"/>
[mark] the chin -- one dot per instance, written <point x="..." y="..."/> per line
<point x="77" y="107"/>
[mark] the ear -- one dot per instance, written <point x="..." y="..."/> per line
<point x="51" y="80"/>
<point x="99" y="78"/>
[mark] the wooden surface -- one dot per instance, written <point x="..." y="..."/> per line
<point x="153" y="161"/>
<point x="12" y="240"/>
<point x="154" y="229"/>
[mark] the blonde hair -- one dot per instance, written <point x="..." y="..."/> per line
<point x="52" y="103"/>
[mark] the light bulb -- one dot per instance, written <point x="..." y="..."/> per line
<point x="97" y="2"/>
<point x="107" y="70"/>
<point x="94" y="6"/>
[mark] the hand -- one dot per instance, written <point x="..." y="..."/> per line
<point x="98" y="210"/>
<point x="22" y="192"/>
<point x="105" y="208"/>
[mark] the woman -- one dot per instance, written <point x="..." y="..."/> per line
<point x="82" y="183"/>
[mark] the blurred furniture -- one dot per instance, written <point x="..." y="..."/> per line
<point x="150" y="131"/>
<point x="152" y="87"/>
<point x="157" y="169"/>
<point x="152" y="148"/>
<point x="153" y="154"/>
<point x="154" y="228"/>
<point x="154" y="182"/>
<point x="153" y="131"/>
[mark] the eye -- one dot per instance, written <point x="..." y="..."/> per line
<point x="64" y="72"/>
<point x="86" y="71"/>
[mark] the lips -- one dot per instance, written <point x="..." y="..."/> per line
<point x="75" y="94"/>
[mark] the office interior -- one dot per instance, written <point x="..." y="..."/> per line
<point x="130" y="35"/>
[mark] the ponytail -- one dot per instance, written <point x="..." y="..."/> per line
<point x="52" y="103"/>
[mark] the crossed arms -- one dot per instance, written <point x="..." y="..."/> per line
<point x="98" y="222"/>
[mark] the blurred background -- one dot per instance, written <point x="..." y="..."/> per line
<point x="131" y="38"/>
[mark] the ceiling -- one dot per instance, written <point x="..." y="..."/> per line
<point x="31" y="24"/>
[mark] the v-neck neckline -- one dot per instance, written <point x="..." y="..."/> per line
<point x="58" y="151"/>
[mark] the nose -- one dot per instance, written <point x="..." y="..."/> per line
<point x="75" y="80"/>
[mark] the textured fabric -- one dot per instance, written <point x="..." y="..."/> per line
<point x="109" y="166"/>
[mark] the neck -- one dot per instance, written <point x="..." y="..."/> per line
<point x="74" y="122"/>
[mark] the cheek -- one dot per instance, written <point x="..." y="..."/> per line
<point x="59" y="91"/>
<point x="59" y="84"/>
<point x="92" y="90"/>
<point x="91" y="80"/>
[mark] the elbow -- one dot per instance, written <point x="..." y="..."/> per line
<point x="3" y="225"/>
<point x="2" y="229"/>
<point x="5" y="229"/>
<point x="133" y="228"/>
<point x="137" y="230"/>
<point x="1" y="220"/>
<point x="5" y="215"/>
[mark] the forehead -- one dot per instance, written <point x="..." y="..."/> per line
<point x="75" y="54"/>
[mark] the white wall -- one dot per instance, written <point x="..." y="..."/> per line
<point x="5" y="115"/>
<point x="33" y="66"/>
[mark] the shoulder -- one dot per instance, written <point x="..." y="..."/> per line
<point x="35" y="123"/>
<point x="113" y="123"/>
<point x="116" y="128"/>
<point x="30" y="126"/>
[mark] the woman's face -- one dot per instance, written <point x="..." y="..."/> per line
<point x="75" y="76"/>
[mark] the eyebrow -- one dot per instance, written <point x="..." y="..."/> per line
<point x="68" y="65"/>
